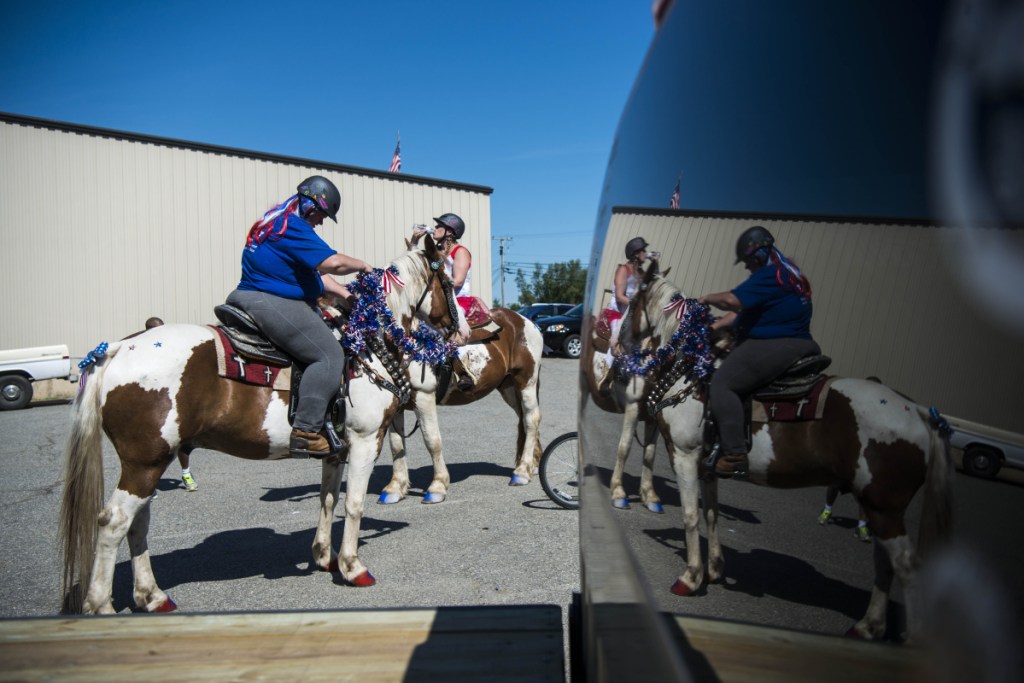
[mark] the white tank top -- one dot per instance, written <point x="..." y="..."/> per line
<point x="632" y="283"/>
<point x="449" y="266"/>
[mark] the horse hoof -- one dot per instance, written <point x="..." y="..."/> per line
<point x="363" y="580"/>
<point x="680" y="588"/>
<point x="518" y="480"/>
<point x="388" y="498"/>
<point x="620" y="503"/>
<point x="166" y="606"/>
<point x="657" y="508"/>
<point x="431" y="497"/>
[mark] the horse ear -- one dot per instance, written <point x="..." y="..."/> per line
<point x="667" y="271"/>
<point x="430" y="247"/>
<point x="408" y="244"/>
<point x="651" y="271"/>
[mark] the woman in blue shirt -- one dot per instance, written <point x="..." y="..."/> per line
<point x="770" y="314"/>
<point x="286" y="267"/>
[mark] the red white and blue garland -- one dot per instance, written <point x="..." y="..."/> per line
<point x="370" y="316"/>
<point x="691" y="344"/>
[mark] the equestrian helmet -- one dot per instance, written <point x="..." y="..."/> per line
<point x="751" y="240"/>
<point x="634" y="245"/>
<point x="324" y="194"/>
<point x="453" y="223"/>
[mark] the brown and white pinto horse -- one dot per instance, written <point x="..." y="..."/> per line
<point x="159" y="392"/>
<point x="509" y="362"/>
<point x="870" y="441"/>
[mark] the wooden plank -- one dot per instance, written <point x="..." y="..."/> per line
<point x="743" y="653"/>
<point x="498" y="644"/>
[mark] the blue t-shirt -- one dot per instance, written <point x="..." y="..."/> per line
<point x="771" y="311"/>
<point x="286" y="265"/>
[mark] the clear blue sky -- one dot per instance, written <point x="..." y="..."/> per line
<point x="520" y="96"/>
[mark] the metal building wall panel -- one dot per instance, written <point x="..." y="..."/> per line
<point x="103" y="231"/>
<point x="887" y="302"/>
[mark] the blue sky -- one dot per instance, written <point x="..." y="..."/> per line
<point x="523" y="97"/>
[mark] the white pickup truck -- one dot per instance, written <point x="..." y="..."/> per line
<point x="20" y="367"/>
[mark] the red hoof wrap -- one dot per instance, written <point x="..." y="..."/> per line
<point x="166" y="606"/>
<point x="680" y="588"/>
<point x="363" y="580"/>
<point x="854" y="633"/>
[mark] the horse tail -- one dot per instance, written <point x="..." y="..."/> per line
<point x="937" y="511"/>
<point x="83" y="486"/>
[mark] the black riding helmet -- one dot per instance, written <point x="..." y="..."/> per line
<point x="324" y="193"/>
<point x="453" y="223"/>
<point x="635" y="245"/>
<point x="751" y="240"/>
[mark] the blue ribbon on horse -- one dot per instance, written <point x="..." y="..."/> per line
<point x="93" y="356"/>
<point x="939" y="422"/>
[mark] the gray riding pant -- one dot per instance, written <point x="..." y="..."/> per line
<point x="297" y="328"/>
<point x="750" y="366"/>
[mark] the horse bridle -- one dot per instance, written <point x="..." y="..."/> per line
<point x="449" y="295"/>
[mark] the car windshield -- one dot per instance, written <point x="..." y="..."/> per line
<point x="575" y="312"/>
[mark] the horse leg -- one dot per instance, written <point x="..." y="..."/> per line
<point x="399" y="484"/>
<point x="148" y="595"/>
<point x="527" y="410"/>
<point x="114" y="521"/>
<point x="426" y="412"/>
<point x="872" y="624"/>
<point x="362" y="453"/>
<point x="684" y="463"/>
<point x="331" y="470"/>
<point x="716" y="560"/>
<point x="648" y="497"/>
<point x="629" y="418"/>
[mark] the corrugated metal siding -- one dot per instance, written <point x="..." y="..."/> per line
<point x="886" y="301"/>
<point x="100" y="233"/>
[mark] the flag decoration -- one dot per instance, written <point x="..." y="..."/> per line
<point x="396" y="158"/>
<point x="673" y="202"/>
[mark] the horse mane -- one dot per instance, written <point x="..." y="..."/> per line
<point x="412" y="268"/>
<point x="660" y="292"/>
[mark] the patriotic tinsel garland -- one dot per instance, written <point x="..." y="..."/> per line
<point x="370" y="315"/>
<point x="690" y="343"/>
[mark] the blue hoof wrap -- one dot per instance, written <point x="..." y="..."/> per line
<point x="431" y="497"/>
<point x="656" y="508"/>
<point x="518" y="480"/>
<point x="388" y="498"/>
<point x="620" y="503"/>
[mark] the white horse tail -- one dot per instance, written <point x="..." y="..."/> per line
<point x="83" y="486"/>
<point x="937" y="511"/>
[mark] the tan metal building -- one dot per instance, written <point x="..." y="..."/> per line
<point x="887" y="299"/>
<point x="102" y="229"/>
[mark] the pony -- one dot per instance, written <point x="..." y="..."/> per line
<point x="870" y="441"/>
<point x="158" y="393"/>
<point x="508" y="361"/>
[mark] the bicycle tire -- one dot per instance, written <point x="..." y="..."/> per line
<point x="559" y="471"/>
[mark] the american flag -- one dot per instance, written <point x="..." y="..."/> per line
<point x="673" y="203"/>
<point x="396" y="158"/>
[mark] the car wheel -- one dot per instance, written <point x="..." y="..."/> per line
<point x="15" y="392"/>
<point x="982" y="461"/>
<point x="573" y="346"/>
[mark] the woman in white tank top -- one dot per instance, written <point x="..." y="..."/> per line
<point x="458" y="261"/>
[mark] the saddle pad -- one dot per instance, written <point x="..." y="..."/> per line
<point x="605" y="320"/>
<point x="231" y="365"/>
<point x="477" y="312"/>
<point x="810" y="407"/>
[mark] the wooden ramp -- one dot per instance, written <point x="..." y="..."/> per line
<point x="495" y="644"/>
<point x="742" y="653"/>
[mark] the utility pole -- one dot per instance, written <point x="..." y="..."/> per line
<point x="501" y="251"/>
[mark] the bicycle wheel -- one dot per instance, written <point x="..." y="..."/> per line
<point x="559" y="471"/>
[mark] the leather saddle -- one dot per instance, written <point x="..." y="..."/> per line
<point x="797" y="381"/>
<point x="247" y="338"/>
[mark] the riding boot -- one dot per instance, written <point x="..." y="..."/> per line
<point x="305" y="444"/>
<point x="732" y="464"/>
<point x="465" y="380"/>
